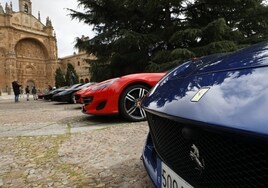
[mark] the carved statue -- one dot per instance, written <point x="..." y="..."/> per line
<point x="1" y="9"/>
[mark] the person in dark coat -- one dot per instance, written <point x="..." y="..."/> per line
<point x="16" y="90"/>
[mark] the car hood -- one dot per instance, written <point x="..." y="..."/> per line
<point x="67" y="91"/>
<point x="228" y="92"/>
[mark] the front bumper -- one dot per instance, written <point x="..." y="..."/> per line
<point x="100" y="103"/>
<point x="149" y="158"/>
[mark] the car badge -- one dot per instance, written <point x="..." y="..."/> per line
<point x="199" y="162"/>
<point x="199" y="94"/>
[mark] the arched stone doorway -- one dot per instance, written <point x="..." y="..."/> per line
<point x="31" y="63"/>
<point x="30" y="83"/>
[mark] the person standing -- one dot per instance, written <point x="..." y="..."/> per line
<point x="27" y="91"/>
<point x="50" y="88"/>
<point x="16" y="89"/>
<point x="34" y="92"/>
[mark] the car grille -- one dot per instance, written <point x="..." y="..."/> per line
<point x="228" y="161"/>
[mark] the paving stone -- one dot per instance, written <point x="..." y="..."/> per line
<point x="46" y="144"/>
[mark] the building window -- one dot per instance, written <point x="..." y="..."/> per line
<point x="26" y="9"/>
<point x="78" y="63"/>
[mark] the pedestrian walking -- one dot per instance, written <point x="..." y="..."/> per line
<point x="27" y="91"/>
<point x="34" y="92"/>
<point x="21" y="92"/>
<point x="16" y="90"/>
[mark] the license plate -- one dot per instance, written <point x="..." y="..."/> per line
<point x="169" y="179"/>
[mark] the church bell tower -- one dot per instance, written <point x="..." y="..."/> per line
<point x="25" y="6"/>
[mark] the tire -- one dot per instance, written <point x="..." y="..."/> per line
<point x="130" y="103"/>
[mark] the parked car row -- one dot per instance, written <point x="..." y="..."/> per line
<point x="68" y="95"/>
<point x="48" y="95"/>
<point x="207" y="118"/>
<point x="117" y="96"/>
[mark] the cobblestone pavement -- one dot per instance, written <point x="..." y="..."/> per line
<point x="47" y="144"/>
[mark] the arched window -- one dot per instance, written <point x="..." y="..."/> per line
<point x="26" y="9"/>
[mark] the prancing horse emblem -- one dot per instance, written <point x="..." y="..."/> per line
<point x="194" y="154"/>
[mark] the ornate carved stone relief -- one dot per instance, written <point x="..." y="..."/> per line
<point x="17" y="19"/>
<point x="2" y="36"/>
<point x="26" y="20"/>
<point x="29" y="70"/>
<point x="30" y="49"/>
<point x="2" y="52"/>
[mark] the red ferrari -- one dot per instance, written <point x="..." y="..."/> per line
<point x="120" y="95"/>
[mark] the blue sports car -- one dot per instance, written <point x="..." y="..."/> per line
<point x="208" y="122"/>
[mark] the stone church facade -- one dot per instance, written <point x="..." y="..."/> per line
<point x="28" y="50"/>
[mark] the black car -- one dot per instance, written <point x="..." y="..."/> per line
<point x="67" y="95"/>
<point x="49" y="95"/>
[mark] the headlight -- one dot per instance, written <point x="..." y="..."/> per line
<point x="104" y="84"/>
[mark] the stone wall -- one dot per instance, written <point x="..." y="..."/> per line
<point x="79" y="61"/>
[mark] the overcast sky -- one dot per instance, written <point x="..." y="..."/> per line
<point x="66" y="29"/>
